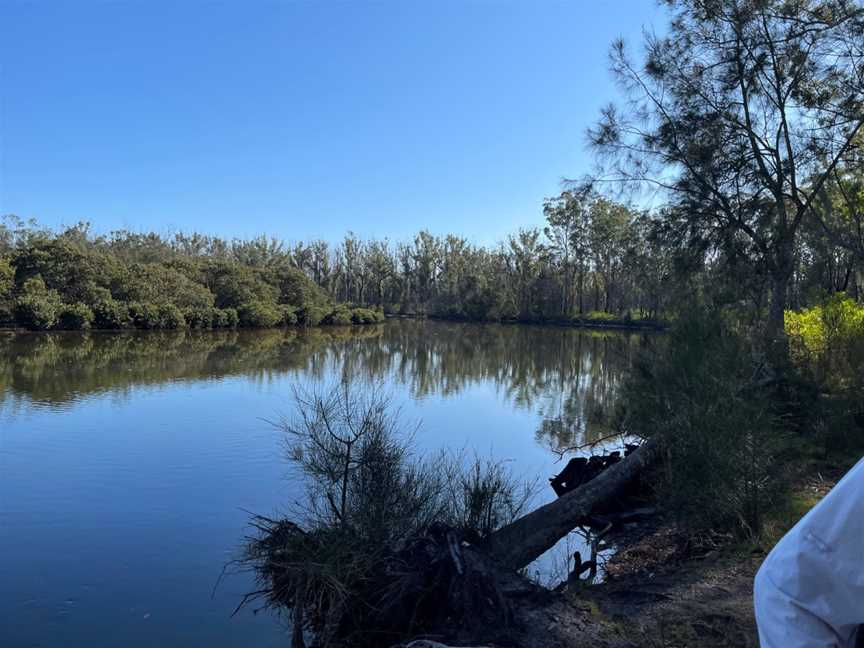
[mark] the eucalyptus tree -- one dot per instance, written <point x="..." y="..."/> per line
<point x="567" y="231"/>
<point x="741" y="113"/>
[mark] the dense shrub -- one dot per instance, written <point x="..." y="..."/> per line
<point x="156" y="283"/>
<point x="289" y="315"/>
<point x="259" y="314"/>
<point x="76" y="317"/>
<point x="312" y="315"/>
<point x="827" y="345"/>
<point x="65" y="266"/>
<point x="366" y="316"/>
<point x="694" y="392"/>
<point x="200" y="318"/>
<point x="145" y="316"/>
<point x="598" y="316"/>
<point x="235" y="285"/>
<point x="108" y="313"/>
<point x="229" y="318"/>
<point x="171" y="317"/>
<point x="7" y="279"/>
<point x="7" y="286"/>
<point x="38" y="307"/>
<point x="339" y="316"/>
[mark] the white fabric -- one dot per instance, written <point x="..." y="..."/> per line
<point x="809" y="592"/>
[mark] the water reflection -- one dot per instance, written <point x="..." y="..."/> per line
<point x="570" y="378"/>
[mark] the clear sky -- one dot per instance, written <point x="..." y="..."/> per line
<point x="302" y="119"/>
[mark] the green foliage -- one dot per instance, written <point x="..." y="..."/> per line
<point x="827" y="345"/>
<point x="366" y="316"/>
<point x="171" y="317"/>
<point x="694" y="392"/>
<point x="600" y="316"/>
<point x="158" y="284"/>
<point x="76" y="317"/>
<point x="348" y="569"/>
<point x="108" y="313"/>
<point x="64" y="266"/>
<point x="7" y="279"/>
<point x="235" y="285"/>
<point x="228" y="318"/>
<point x="312" y="315"/>
<point x="259" y="314"/>
<point x="340" y="316"/>
<point x="145" y="315"/>
<point x="827" y="336"/>
<point x="7" y="286"/>
<point x="38" y="307"/>
<point x="289" y="315"/>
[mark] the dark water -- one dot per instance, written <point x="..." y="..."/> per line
<point x="128" y="462"/>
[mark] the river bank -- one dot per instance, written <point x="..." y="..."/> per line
<point x="665" y="586"/>
<point x="612" y="323"/>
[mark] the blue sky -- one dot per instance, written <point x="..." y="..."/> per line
<point x="302" y="119"/>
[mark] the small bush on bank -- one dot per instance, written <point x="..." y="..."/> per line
<point x="145" y="316"/>
<point x="289" y="315"/>
<point x="171" y="317"/>
<point x="599" y="316"/>
<point x="76" y="317"/>
<point x="228" y="318"/>
<point x="38" y="307"/>
<point x="108" y="313"/>
<point x="311" y="315"/>
<point x="359" y="566"/>
<point x="339" y="316"/>
<point x="366" y="316"/>
<point x="259" y="314"/>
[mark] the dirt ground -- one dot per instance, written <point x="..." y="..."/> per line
<point x="664" y="592"/>
<point x="670" y="589"/>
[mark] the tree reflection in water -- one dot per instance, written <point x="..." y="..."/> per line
<point x="570" y="377"/>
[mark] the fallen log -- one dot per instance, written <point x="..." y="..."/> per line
<point x="521" y="542"/>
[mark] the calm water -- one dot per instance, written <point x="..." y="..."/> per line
<point x="128" y="462"/>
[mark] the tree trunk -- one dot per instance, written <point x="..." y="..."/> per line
<point x="776" y="341"/>
<point x="526" y="539"/>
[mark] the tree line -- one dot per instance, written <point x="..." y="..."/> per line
<point x="594" y="260"/>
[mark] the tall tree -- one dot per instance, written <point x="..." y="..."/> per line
<point x="741" y="112"/>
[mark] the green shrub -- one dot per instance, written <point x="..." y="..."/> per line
<point x="312" y="315"/>
<point x="826" y="344"/>
<point x="228" y="318"/>
<point x="7" y="280"/>
<point x="599" y="316"/>
<point x="76" y="317"/>
<point x="145" y="316"/>
<point x="201" y="318"/>
<point x="171" y="317"/>
<point x="108" y="313"/>
<point x="38" y="307"/>
<point x="823" y="336"/>
<point x="259" y="314"/>
<point x="693" y="391"/>
<point x="366" y="316"/>
<point x="339" y="316"/>
<point x="289" y="315"/>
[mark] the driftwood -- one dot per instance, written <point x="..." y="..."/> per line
<point x="581" y="470"/>
<point x="526" y="539"/>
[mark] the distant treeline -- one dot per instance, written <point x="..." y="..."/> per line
<point x="594" y="261"/>
<point x="74" y="280"/>
<point x="594" y="264"/>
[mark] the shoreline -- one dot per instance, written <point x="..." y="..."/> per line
<point x="582" y="323"/>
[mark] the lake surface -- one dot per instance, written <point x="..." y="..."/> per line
<point x="129" y="462"/>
